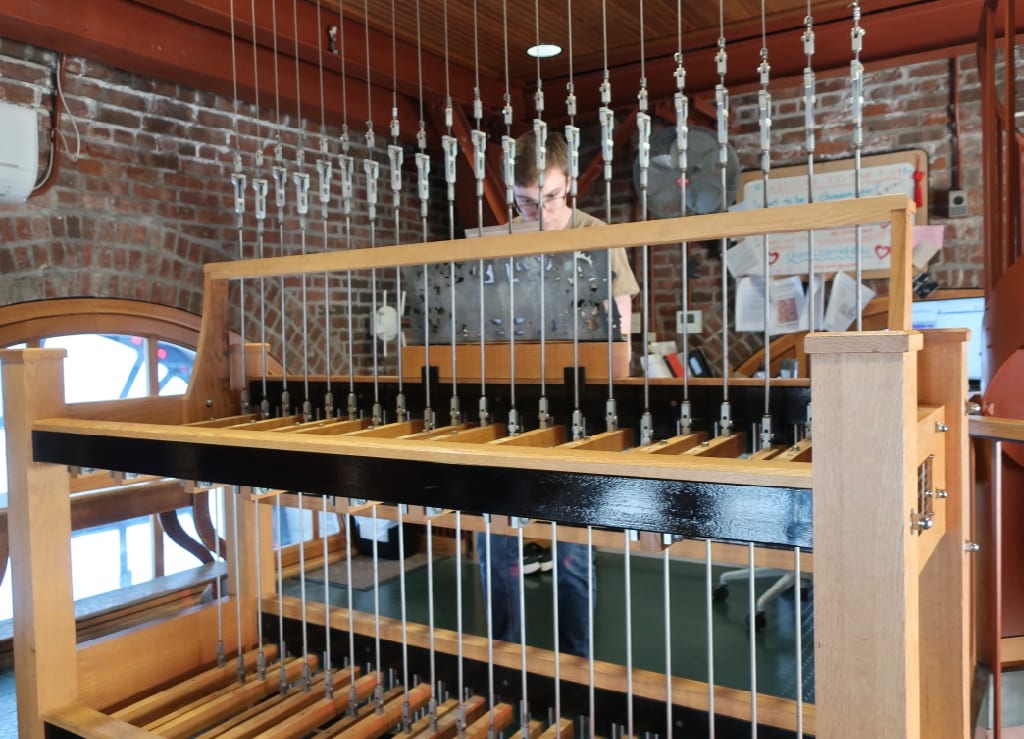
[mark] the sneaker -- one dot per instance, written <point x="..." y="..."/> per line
<point x="531" y="559"/>
<point x="546" y="563"/>
<point x="536" y="559"/>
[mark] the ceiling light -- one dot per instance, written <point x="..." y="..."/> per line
<point x="544" y="51"/>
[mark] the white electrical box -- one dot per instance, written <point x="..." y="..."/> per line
<point x="19" y="152"/>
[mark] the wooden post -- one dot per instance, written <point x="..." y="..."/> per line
<point x="39" y="516"/>
<point x="866" y="650"/>
<point x="947" y="637"/>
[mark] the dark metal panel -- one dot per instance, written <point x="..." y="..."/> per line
<point x="778" y="516"/>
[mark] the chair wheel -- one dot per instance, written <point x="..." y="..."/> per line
<point x="760" y="621"/>
<point x="720" y="593"/>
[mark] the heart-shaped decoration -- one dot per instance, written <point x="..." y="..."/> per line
<point x="773" y="257"/>
<point x="882" y="251"/>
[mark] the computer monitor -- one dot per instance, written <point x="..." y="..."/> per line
<point x="956" y="313"/>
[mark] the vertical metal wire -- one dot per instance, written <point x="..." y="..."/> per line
<point x="406" y="717"/>
<point x="627" y="567"/>
<point x="220" y="593"/>
<point x="460" y="719"/>
<point x="555" y="616"/>
<point x="592" y="707"/>
<point x="302" y="594"/>
<point x="667" y="594"/>
<point x="857" y="100"/>
<point x="752" y="637"/>
<point x="378" y="691"/>
<point x="430" y="623"/>
<point x="328" y="666"/>
<point x="709" y="615"/>
<point x="282" y="647"/>
<point x="525" y="706"/>
<point x="353" y="698"/>
<point x="238" y="583"/>
<point x="261" y="658"/>
<point x="799" y="646"/>
<point x="722" y="119"/>
<point x="489" y="601"/>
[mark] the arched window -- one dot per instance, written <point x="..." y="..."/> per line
<point x="115" y="349"/>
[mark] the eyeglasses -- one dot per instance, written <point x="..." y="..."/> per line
<point x="549" y="199"/>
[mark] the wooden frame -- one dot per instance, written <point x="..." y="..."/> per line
<point x="896" y="653"/>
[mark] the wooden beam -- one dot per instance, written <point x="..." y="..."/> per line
<point x="40" y="539"/>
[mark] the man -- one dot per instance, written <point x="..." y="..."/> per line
<point x="548" y="203"/>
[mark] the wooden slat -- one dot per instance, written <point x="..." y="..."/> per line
<point x="772" y="711"/>
<point x="269" y="424"/>
<point x="89" y="723"/>
<point x="770" y="453"/>
<point x="1006" y="429"/>
<point x="418" y="727"/>
<point x="608" y="441"/>
<point x="563" y="730"/>
<point x="729" y="446"/>
<point x="389" y="430"/>
<point x="877" y="209"/>
<point x="799" y="452"/>
<point x="673" y="445"/>
<point x="149" y="708"/>
<point x="473" y="708"/>
<point x="324" y="710"/>
<point x="495" y="720"/>
<point x="261" y="718"/>
<point x="439" y="431"/>
<point x="191" y="721"/>
<point x="218" y="423"/>
<point x="479" y="435"/>
<point x="379" y="723"/>
<point x="545" y="438"/>
<point x="336" y="427"/>
<point x="533" y="731"/>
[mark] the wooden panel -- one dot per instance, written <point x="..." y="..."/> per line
<point x="947" y="650"/>
<point x="865" y="617"/>
<point x="39" y="526"/>
<point x="154" y="704"/>
<point x="593" y="358"/>
<point x="91" y="724"/>
<point x="173" y="647"/>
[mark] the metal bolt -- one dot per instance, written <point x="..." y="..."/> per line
<point x="972" y="409"/>
<point x="941" y="494"/>
<point x="972" y="547"/>
<point x="941" y="427"/>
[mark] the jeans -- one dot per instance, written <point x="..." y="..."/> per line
<point x="572" y="563"/>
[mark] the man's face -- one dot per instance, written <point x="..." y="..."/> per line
<point x="552" y="198"/>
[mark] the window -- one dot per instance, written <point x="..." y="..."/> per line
<point x="110" y="366"/>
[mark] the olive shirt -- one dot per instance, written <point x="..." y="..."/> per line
<point x="623" y="280"/>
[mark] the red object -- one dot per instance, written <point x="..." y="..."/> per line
<point x="675" y="364"/>
<point x="918" y="177"/>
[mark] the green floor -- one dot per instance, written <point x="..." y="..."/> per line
<point x="775" y="645"/>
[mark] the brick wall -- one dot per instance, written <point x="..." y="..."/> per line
<point x="143" y="196"/>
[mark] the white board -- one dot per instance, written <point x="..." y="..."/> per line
<point x="834" y="248"/>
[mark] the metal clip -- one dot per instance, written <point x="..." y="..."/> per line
<point x="301" y="180"/>
<point x="508" y="148"/>
<point x="396" y="156"/>
<point x="372" y="169"/>
<point x="259" y="188"/>
<point x="324" y="171"/>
